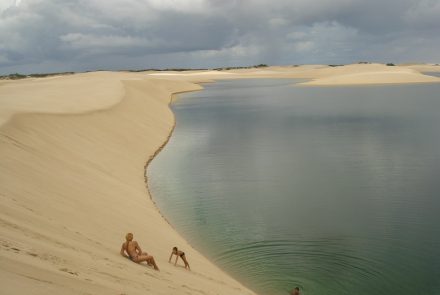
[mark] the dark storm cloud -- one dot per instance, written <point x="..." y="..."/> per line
<point x="52" y="35"/>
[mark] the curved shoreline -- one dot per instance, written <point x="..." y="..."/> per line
<point x="161" y="147"/>
<point x="70" y="185"/>
<point x="71" y="188"/>
<point x="153" y="156"/>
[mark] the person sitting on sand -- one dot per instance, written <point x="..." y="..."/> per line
<point x="178" y="254"/>
<point x="131" y="250"/>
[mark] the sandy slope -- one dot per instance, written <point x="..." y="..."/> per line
<point x="424" y="67"/>
<point x="322" y="75"/>
<point x="78" y="93"/>
<point x="73" y="185"/>
<point x="73" y="151"/>
<point x="362" y="74"/>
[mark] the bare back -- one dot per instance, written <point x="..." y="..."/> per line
<point x="131" y="247"/>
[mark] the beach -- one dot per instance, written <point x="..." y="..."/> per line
<point x="74" y="150"/>
<point x="73" y="186"/>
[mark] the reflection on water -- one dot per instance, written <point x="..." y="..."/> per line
<point x="335" y="190"/>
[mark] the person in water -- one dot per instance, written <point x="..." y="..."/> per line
<point x="131" y="250"/>
<point x="178" y="254"/>
<point x="295" y="291"/>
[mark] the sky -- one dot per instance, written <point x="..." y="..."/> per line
<point x="39" y="36"/>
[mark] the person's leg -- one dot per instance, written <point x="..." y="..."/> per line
<point x="185" y="261"/>
<point x="147" y="258"/>
<point x="146" y="254"/>
<point x="150" y="260"/>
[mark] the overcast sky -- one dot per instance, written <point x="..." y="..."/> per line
<point x="78" y="35"/>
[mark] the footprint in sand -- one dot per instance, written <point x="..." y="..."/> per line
<point x="151" y="275"/>
<point x="193" y="290"/>
<point x="69" y="271"/>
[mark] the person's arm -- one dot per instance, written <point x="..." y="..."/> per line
<point x="123" y="251"/>
<point x="169" y="260"/>
<point x="138" y="249"/>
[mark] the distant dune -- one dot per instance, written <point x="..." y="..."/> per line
<point x="369" y="74"/>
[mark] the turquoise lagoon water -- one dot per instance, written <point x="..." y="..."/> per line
<point x="335" y="190"/>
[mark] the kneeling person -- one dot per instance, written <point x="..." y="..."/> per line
<point x="178" y="254"/>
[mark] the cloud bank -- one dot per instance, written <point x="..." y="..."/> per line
<point x="77" y="35"/>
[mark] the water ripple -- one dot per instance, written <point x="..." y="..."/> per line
<point x="327" y="259"/>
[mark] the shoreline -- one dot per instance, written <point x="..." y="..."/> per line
<point x="73" y="148"/>
<point x="385" y="84"/>
<point x="174" y="96"/>
<point x="162" y="146"/>
<point x="82" y="254"/>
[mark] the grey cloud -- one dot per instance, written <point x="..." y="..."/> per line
<point x="49" y="35"/>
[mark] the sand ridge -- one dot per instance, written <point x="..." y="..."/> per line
<point x="368" y="74"/>
<point x="321" y="75"/>
<point x="73" y="184"/>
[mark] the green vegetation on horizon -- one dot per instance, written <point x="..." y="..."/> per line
<point x="18" y="76"/>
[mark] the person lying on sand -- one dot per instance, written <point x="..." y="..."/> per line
<point x="178" y="254"/>
<point x="131" y="250"/>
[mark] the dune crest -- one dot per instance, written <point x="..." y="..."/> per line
<point x="72" y="185"/>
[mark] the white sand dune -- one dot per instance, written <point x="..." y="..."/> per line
<point x="62" y="94"/>
<point x="73" y="151"/>
<point x="73" y="184"/>
<point x="373" y="78"/>
<point x="433" y="68"/>
<point x="203" y="73"/>
<point x="366" y="75"/>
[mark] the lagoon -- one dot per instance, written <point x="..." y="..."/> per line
<point x="333" y="189"/>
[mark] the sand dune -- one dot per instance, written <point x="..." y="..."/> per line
<point x="423" y="68"/>
<point x="187" y="73"/>
<point x="62" y="94"/>
<point x="373" y="78"/>
<point x="72" y="178"/>
<point x="367" y="74"/>
<point x="73" y="184"/>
